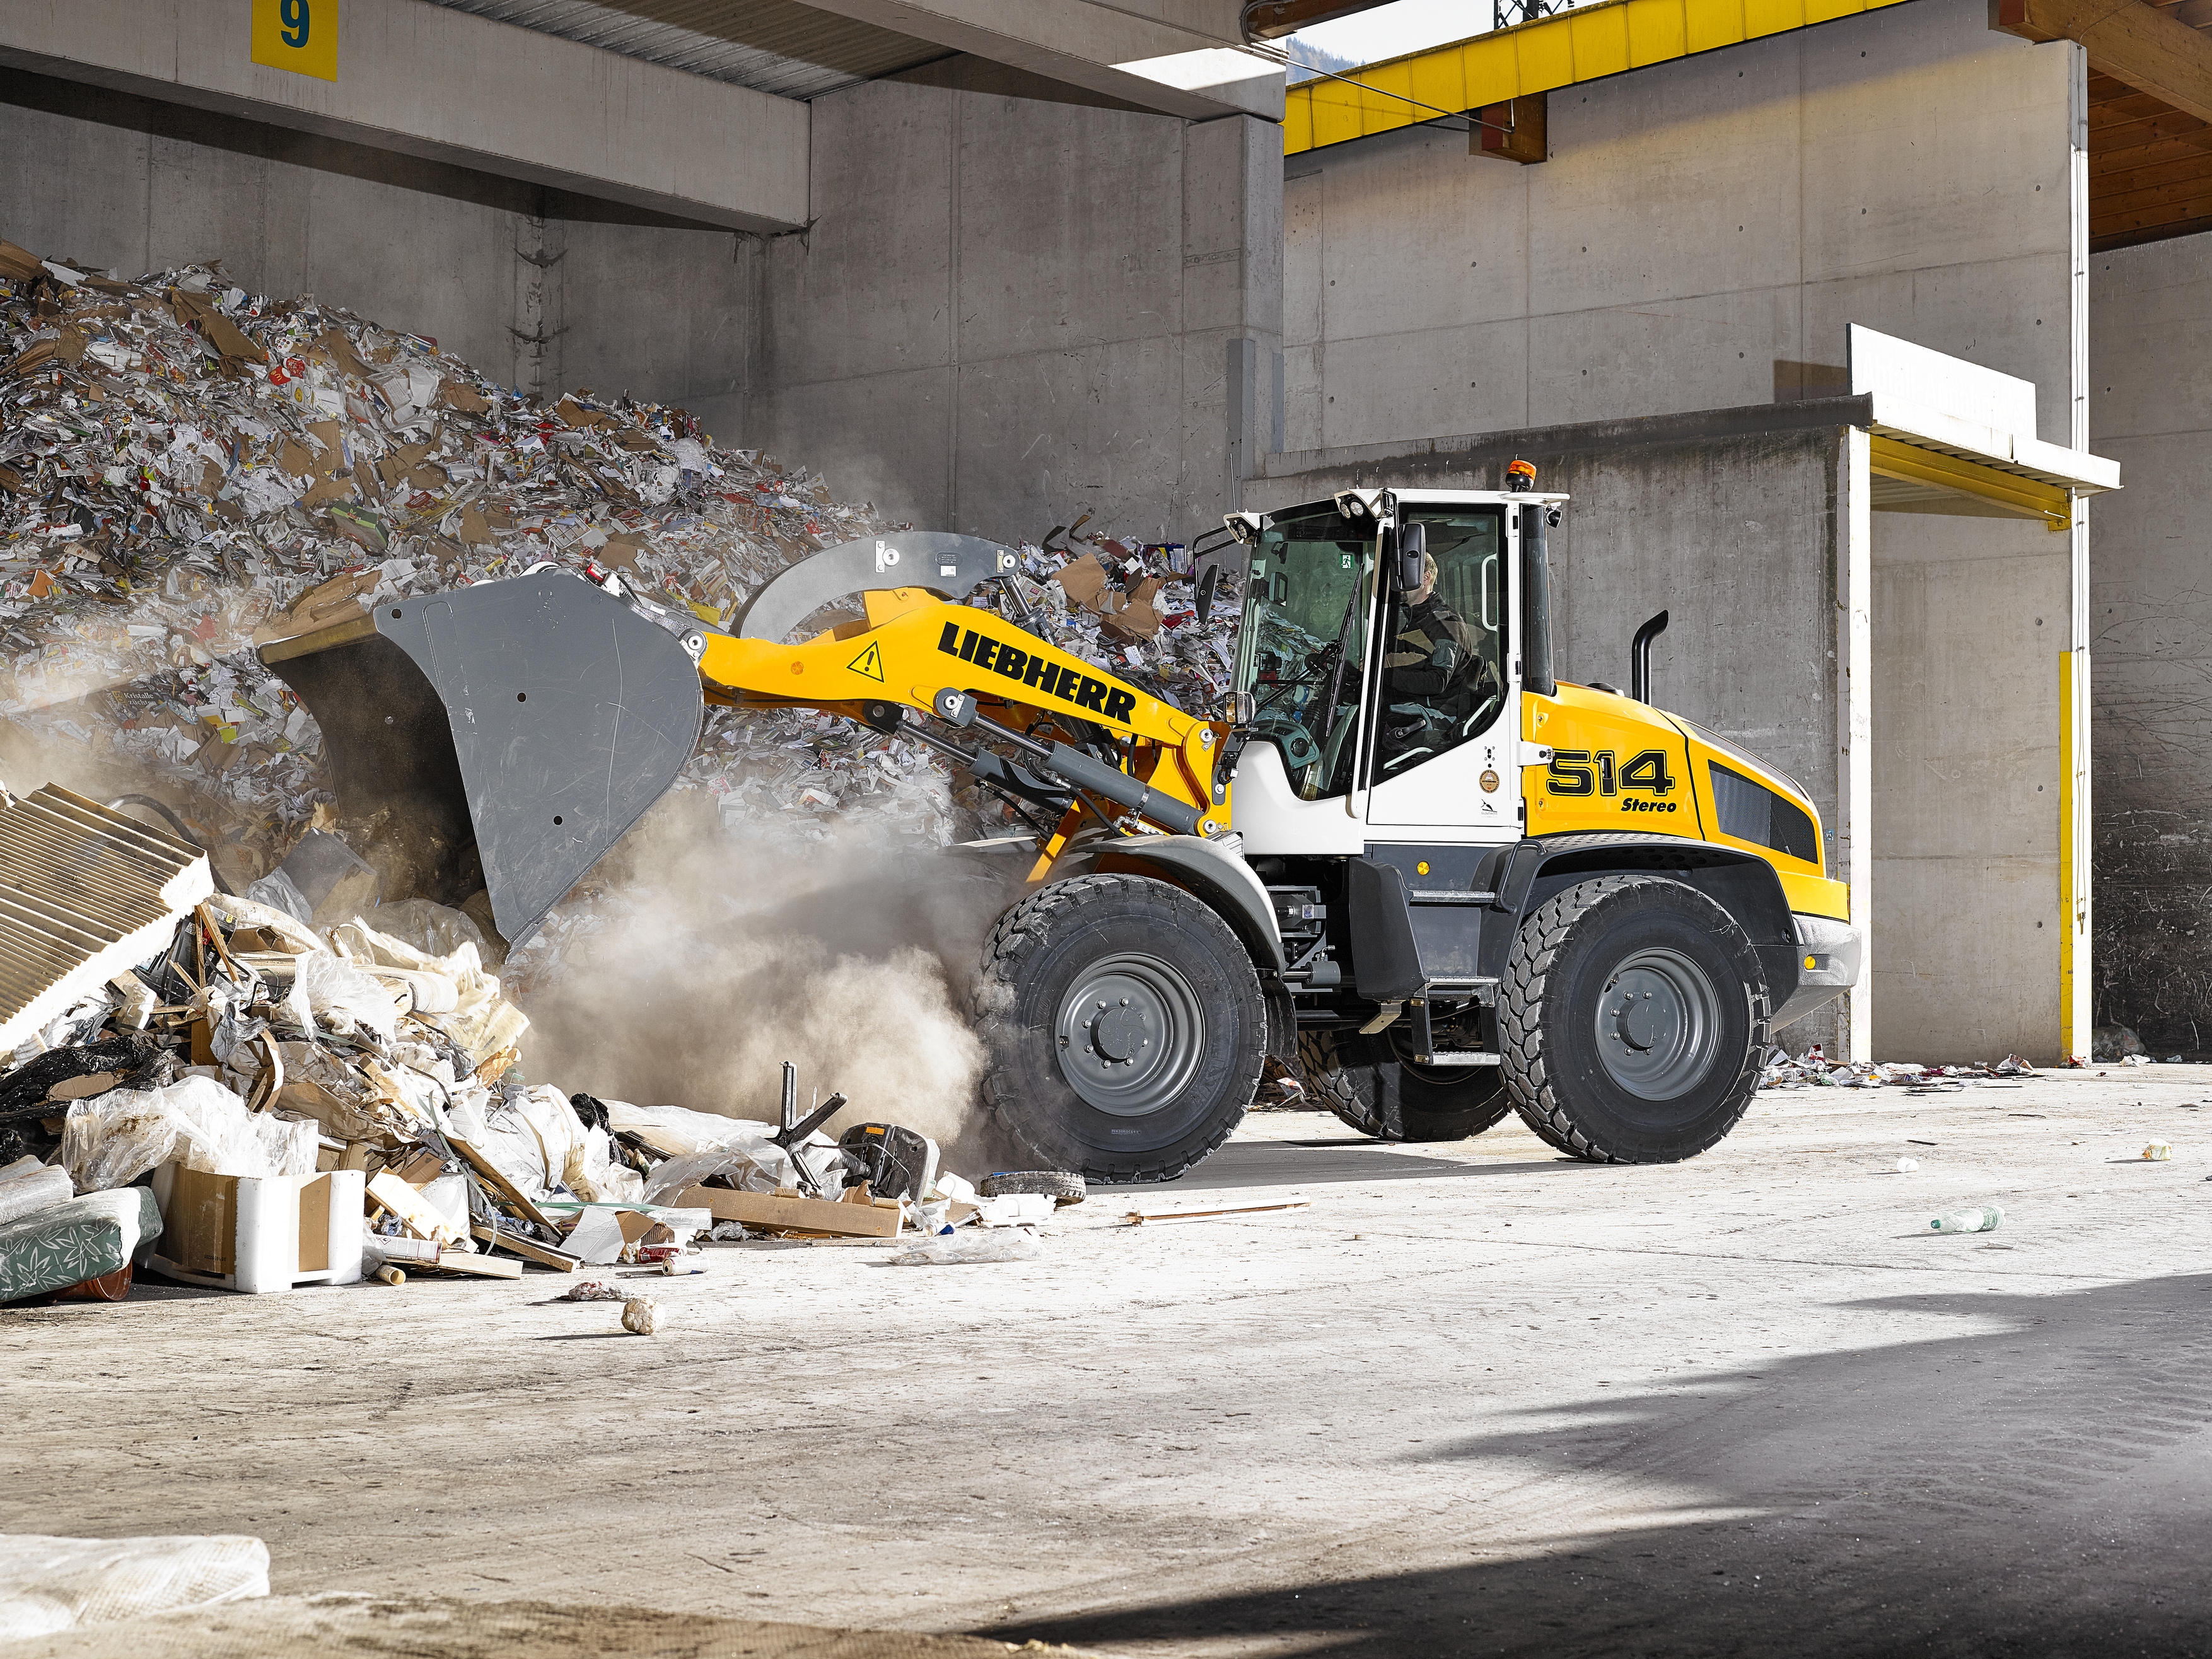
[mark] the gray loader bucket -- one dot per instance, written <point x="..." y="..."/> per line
<point x="500" y="737"/>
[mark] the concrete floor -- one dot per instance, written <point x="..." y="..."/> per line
<point x="1474" y="1400"/>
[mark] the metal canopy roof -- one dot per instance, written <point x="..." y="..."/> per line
<point x="771" y="45"/>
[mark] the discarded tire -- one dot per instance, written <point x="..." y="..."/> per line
<point x="1370" y="1085"/>
<point x="1069" y="1189"/>
<point x="1633" y="1018"/>
<point x="1124" y="1025"/>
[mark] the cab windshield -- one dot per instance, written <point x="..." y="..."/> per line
<point x="1303" y="640"/>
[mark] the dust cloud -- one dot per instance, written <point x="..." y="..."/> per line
<point x="705" y="961"/>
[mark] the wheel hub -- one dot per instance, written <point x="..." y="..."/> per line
<point x="1118" y="1033"/>
<point x="1658" y="1019"/>
<point x="1130" y="1032"/>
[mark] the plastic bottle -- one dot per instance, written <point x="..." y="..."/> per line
<point x="1982" y="1218"/>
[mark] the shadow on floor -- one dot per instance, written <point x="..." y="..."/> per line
<point x="1244" y="1164"/>
<point x="2040" y="1484"/>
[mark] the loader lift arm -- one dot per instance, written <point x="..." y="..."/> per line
<point x="571" y="705"/>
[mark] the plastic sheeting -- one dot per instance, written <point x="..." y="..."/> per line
<point x="112" y="1140"/>
<point x="52" y="1585"/>
<point x="534" y="1139"/>
<point x="29" y="1185"/>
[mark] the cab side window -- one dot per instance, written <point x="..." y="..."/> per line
<point x="1441" y="645"/>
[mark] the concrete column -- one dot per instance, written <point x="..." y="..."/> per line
<point x="1854" y="654"/>
<point x="1009" y="310"/>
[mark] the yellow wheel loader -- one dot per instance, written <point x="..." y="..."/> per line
<point x="1405" y="860"/>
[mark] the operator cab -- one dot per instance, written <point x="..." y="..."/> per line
<point x="1381" y="661"/>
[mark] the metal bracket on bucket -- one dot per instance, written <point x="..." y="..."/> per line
<point x="952" y="567"/>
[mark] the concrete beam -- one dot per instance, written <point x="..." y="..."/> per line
<point x="1177" y="57"/>
<point x="2130" y="41"/>
<point x="428" y="80"/>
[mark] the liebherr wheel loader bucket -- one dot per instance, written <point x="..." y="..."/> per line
<point x="515" y="730"/>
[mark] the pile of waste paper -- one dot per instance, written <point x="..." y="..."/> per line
<point x="188" y="470"/>
<point x="1814" y="1070"/>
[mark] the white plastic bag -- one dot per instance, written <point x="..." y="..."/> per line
<point x="112" y="1140"/>
<point x="50" y="1584"/>
<point x="339" y="993"/>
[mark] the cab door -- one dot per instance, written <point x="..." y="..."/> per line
<point x="1443" y="754"/>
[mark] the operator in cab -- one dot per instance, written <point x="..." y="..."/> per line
<point x="1436" y="674"/>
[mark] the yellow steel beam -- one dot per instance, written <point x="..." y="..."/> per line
<point x="2073" y="937"/>
<point x="2051" y="503"/>
<point x="1559" y="50"/>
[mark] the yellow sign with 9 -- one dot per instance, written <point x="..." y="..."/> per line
<point x="299" y="35"/>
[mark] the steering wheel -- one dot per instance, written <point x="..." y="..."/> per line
<point x="1299" y="750"/>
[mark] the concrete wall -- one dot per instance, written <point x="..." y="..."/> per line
<point x="1009" y="310"/>
<point x="542" y="290"/>
<point x="1703" y="229"/>
<point x="2150" y="403"/>
<point x="1699" y="239"/>
<point x="1735" y="537"/>
<point x="1969" y="619"/>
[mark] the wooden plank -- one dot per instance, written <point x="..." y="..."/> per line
<point x="528" y="1248"/>
<point x="1154" y="1218"/>
<point x="879" y="1219"/>
<point x="2133" y="232"/>
<point x="404" y="1201"/>
<point x="2105" y="171"/>
<point x="2180" y="194"/>
<point x="474" y="1267"/>
<point x="2126" y="105"/>
<point x="488" y="1172"/>
<point x="2154" y="187"/>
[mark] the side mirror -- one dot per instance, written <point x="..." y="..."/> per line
<point x="1207" y="584"/>
<point x="1413" y="554"/>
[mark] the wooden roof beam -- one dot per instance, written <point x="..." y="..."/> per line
<point x="2147" y="48"/>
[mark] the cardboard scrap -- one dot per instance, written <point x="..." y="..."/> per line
<point x="788" y="1211"/>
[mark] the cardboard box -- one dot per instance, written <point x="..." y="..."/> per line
<point x="240" y="1233"/>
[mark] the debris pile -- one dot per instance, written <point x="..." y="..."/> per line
<point x="368" y="1076"/>
<point x="1814" y="1070"/>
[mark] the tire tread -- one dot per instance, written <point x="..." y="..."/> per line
<point x="1021" y="930"/>
<point x="1536" y="949"/>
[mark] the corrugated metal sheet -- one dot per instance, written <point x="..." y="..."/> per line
<point x="770" y="45"/>
<point x="85" y="894"/>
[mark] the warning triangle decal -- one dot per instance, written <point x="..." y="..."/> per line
<point x="869" y="662"/>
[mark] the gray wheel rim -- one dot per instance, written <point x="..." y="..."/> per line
<point x="1130" y="1032"/>
<point x="1658" y="1021"/>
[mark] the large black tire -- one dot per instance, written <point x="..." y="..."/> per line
<point x="1366" y="1081"/>
<point x="1147" y="984"/>
<point x="1634" y="1018"/>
